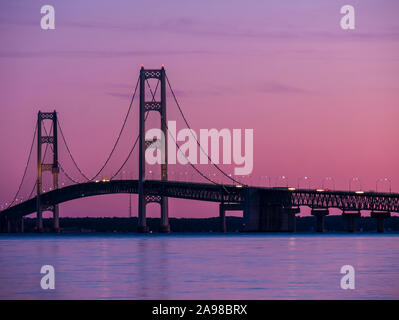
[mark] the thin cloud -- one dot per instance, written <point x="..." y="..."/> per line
<point x="124" y="96"/>
<point x="96" y="54"/>
<point x="275" y="87"/>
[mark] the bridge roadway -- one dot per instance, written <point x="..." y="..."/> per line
<point x="284" y="197"/>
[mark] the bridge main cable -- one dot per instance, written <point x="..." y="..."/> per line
<point x="130" y="153"/>
<point x="178" y="147"/>
<point x="195" y="138"/>
<point x="26" y="168"/>
<point x="59" y="163"/>
<point x="113" y="148"/>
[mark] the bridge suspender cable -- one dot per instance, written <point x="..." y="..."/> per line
<point x="195" y="138"/>
<point x="115" y="144"/>
<point x="26" y="168"/>
<point x="130" y="153"/>
<point x="189" y="162"/>
<point x="70" y="155"/>
<point x="33" y="189"/>
<point x="153" y="93"/>
<point x="66" y="174"/>
<point x="120" y="133"/>
<point x="178" y="147"/>
<point x="138" y="136"/>
<point x="59" y="163"/>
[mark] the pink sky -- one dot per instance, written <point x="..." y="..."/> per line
<point x="322" y="101"/>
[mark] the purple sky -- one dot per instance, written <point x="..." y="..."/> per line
<point x="322" y="101"/>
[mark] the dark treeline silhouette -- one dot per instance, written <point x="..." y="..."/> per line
<point x="234" y="224"/>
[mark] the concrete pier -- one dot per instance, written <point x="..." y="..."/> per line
<point x="143" y="229"/>
<point x="268" y="210"/>
<point x="39" y="221"/>
<point x="222" y="217"/>
<point x="15" y="225"/>
<point x="351" y="217"/>
<point x="56" y="219"/>
<point x="164" y="226"/>
<point x="288" y="218"/>
<point x="223" y="207"/>
<point x="380" y="217"/>
<point x="320" y="214"/>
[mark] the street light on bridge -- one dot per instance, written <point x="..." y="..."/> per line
<point x="355" y="179"/>
<point x="282" y="181"/>
<point x="383" y="180"/>
<point x="330" y="180"/>
<point x="265" y="181"/>
<point x="304" y="179"/>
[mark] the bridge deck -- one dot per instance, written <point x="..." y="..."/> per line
<point x="344" y="200"/>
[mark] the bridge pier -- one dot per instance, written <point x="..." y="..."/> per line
<point x="223" y="207"/>
<point x="15" y="225"/>
<point x="142" y="222"/>
<point x="351" y="217"/>
<point x="56" y="219"/>
<point x="164" y="227"/>
<point x="222" y="217"/>
<point x="142" y="219"/>
<point x="39" y="221"/>
<point x="319" y="214"/>
<point x="268" y="210"/>
<point x="289" y="218"/>
<point x="380" y="217"/>
<point x="147" y="106"/>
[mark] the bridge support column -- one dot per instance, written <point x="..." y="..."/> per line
<point x="223" y="207"/>
<point x="267" y="210"/>
<point x="56" y="209"/>
<point x="289" y="219"/>
<point x="145" y="107"/>
<point x="39" y="220"/>
<point x="15" y="225"/>
<point x="3" y="226"/>
<point x="56" y="219"/>
<point x="319" y="214"/>
<point x="9" y="226"/>
<point x="164" y="227"/>
<point x="351" y="217"/>
<point x="222" y="217"/>
<point x="22" y="225"/>
<point x="52" y="139"/>
<point x="142" y="221"/>
<point x="251" y="210"/>
<point x="380" y="217"/>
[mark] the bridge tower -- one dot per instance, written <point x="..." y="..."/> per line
<point x="51" y="139"/>
<point x="146" y="106"/>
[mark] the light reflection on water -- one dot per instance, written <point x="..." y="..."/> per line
<point x="236" y="266"/>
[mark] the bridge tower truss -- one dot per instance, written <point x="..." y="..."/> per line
<point x="147" y="106"/>
<point x="50" y="138"/>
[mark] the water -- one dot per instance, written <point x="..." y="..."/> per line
<point x="236" y="266"/>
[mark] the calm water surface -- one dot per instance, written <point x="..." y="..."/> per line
<point x="235" y="266"/>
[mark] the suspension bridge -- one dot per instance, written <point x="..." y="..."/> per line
<point x="264" y="208"/>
